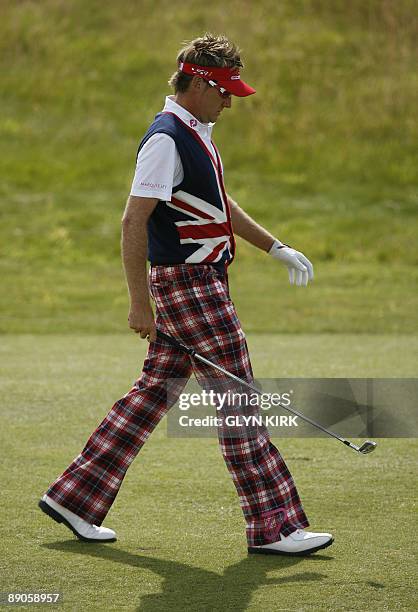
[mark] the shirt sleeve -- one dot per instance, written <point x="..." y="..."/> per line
<point x="157" y="168"/>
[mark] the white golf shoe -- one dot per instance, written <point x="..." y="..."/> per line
<point x="81" y="528"/>
<point x="298" y="543"/>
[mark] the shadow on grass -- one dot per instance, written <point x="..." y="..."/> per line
<point x="191" y="588"/>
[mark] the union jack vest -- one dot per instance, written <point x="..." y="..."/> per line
<point x="195" y="225"/>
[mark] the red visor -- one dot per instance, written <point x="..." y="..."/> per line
<point x="228" y="78"/>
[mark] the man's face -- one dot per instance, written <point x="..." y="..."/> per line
<point x="212" y="103"/>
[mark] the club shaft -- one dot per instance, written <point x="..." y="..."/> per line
<point x="202" y="359"/>
<point x="254" y="388"/>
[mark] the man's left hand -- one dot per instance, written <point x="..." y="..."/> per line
<point x="299" y="267"/>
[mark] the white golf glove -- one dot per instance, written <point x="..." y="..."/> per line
<point x="299" y="267"/>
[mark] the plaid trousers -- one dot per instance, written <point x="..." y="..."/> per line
<point x="193" y="305"/>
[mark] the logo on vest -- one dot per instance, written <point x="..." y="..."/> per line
<point x="193" y="123"/>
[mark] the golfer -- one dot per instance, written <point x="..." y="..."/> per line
<point x="180" y="217"/>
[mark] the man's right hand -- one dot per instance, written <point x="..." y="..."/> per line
<point x="141" y="320"/>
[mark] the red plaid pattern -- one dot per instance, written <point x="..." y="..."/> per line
<point x="193" y="305"/>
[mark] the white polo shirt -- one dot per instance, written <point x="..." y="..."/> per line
<point x="158" y="166"/>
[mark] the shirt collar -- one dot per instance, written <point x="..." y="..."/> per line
<point x="203" y="129"/>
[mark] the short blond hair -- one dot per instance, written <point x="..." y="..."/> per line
<point x="208" y="50"/>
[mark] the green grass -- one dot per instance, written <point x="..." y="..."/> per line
<point x="181" y="539"/>
<point x="325" y="157"/>
<point x="324" y="154"/>
<point x="344" y="298"/>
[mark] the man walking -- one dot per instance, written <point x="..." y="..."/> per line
<point x="180" y="217"/>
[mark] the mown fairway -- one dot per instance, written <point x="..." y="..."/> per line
<point x="181" y="534"/>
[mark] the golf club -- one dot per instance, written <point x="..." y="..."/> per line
<point x="367" y="447"/>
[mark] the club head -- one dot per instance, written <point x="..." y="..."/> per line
<point x="367" y="447"/>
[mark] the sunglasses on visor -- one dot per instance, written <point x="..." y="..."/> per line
<point x="224" y="93"/>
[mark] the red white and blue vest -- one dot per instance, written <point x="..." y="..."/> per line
<point x="195" y="225"/>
